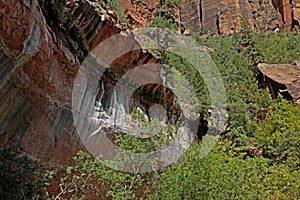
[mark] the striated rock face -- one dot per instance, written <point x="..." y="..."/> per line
<point x="282" y="78"/>
<point x="139" y="13"/>
<point x="38" y="68"/>
<point x="225" y="17"/>
<point x="285" y="9"/>
<point x="35" y="85"/>
<point x="40" y="60"/>
<point x="222" y="16"/>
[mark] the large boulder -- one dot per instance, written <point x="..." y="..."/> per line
<point x="282" y="78"/>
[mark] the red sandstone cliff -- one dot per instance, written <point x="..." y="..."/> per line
<point x="38" y="67"/>
<point x="36" y="77"/>
<point x="223" y="16"/>
<point x="285" y="9"/>
<point x="37" y="71"/>
<point x="296" y="12"/>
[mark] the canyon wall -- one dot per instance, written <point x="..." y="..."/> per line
<point x="224" y="16"/>
<point x="35" y="85"/>
<point x="39" y="64"/>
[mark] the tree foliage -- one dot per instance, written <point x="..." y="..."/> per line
<point x="165" y="15"/>
<point x="20" y="176"/>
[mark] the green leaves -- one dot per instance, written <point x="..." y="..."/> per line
<point x="279" y="134"/>
<point x="216" y="176"/>
<point x="220" y="175"/>
<point x="165" y="14"/>
<point x="93" y="176"/>
<point x="269" y="48"/>
<point x="230" y="170"/>
<point x="20" y="176"/>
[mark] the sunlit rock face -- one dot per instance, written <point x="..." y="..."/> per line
<point x="222" y="16"/>
<point x="40" y="62"/>
<point x="39" y="66"/>
<point x="36" y="80"/>
<point x="285" y="9"/>
<point x="225" y="17"/>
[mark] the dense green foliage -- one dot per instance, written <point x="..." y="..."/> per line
<point x="257" y="158"/>
<point x="20" y="176"/>
<point x="270" y="48"/>
<point x="279" y="135"/>
<point x="231" y="172"/>
<point x="165" y="16"/>
<point x="245" y="100"/>
<point x="98" y="176"/>
<point x="93" y="176"/>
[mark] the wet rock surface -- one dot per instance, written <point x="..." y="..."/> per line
<point x="39" y="65"/>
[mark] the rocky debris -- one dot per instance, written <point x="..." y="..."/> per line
<point x="282" y="78"/>
<point x="71" y="4"/>
<point x="140" y="14"/>
<point x="255" y="151"/>
<point x="266" y="18"/>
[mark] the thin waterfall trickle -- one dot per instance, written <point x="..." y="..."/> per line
<point x="99" y="110"/>
<point x="100" y="99"/>
<point x="164" y="88"/>
<point x="113" y="106"/>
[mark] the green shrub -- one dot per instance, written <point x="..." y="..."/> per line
<point x="279" y="134"/>
<point x="20" y="176"/>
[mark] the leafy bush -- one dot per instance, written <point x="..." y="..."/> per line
<point x="279" y="134"/>
<point x="93" y="176"/>
<point x="229" y="171"/>
<point x="221" y="175"/>
<point x="20" y="176"/>
<point x="165" y="16"/>
<point x="269" y="48"/>
<point x="245" y="100"/>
